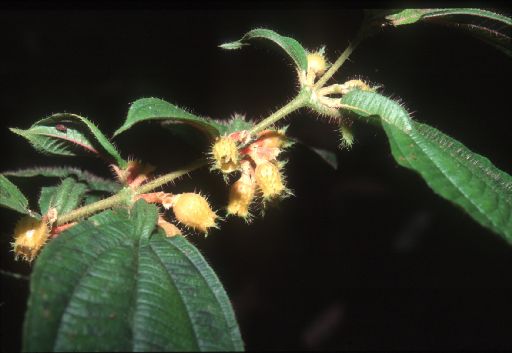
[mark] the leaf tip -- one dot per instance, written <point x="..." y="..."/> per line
<point x="16" y="130"/>
<point x="118" y="132"/>
<point x="232" y="45"/>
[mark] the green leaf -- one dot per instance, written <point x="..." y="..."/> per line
<point x="115" y="283"/>
<point x="145" y="109"/>
<point x="65" y="197"/>
<point x="11" y="197"/>
<point x="61" y="133"/>
<point x="94" y="183"/>
<point x="293" y="48"/>
<point x="449" y="168"/>
<point x="409" y="16"/>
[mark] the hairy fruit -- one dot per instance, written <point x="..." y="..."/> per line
<point x="225" y="154"/>
<point x="269" y="180"/>
<point x="241" y="195"/>
<point x="30" y="234"/>
<point x="193" y="210"/>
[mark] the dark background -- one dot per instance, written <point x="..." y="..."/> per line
<point x="363" y="257"/>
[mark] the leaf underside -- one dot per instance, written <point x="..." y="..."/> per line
<point x="115" y="283"/>
<point x="64" y="134"/>
<point x="467" y="179"/>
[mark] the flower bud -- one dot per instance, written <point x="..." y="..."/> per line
<point x="316" y="63"/>
<point x="225" y="154"/>
<point x="30" y="235"/>
<point x="241" y="195"/>
<point x="193" y="210"/>
<point x="269" y="179"/>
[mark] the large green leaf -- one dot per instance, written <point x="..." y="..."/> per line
<point x="293" y="48"/>
<point x="64" y="197"/>
<point x="94" y="183"/>
<point x="61" y="133"/>
<point x="145" y="109"/>
<point x="449" y="168"/>
<point x="409" y="16"/>
<point x="11" y="197"/>
<point x="115" y="283"/>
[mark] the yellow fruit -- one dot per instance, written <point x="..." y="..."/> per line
<point x="269" y="180"/>
<point x="193" y="210"/>
<point x="30" y="235"/>
<point x="241" y="195"/>
<point x="317" y="63"/>
<point x="225" y="154"/>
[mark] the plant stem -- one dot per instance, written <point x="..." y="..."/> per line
<point x="297" y="103"/>
<point x="122" y="196"/>
<point x="337" y="64"/>
<point x="164" y="179"/>
<point x="90" y="209"/>
<point x="363" y="32"/>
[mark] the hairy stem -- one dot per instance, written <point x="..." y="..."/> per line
<point x="124" y="194"/>
<point x="90" y="209"/>
<point x="167" y="178"/>
<point x="297" y="103"/>
<point x="338" y="63"/>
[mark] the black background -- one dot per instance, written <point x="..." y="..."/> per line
<point x="363" y="257"/>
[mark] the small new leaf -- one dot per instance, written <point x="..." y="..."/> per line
<point x="64" y="197"/>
